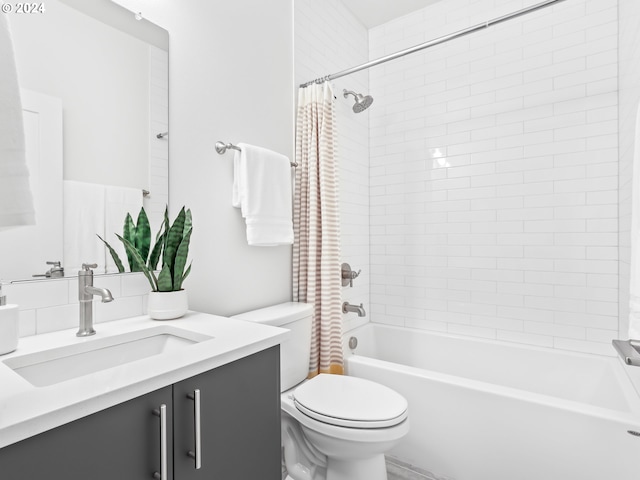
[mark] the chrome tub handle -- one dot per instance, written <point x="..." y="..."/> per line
<point x="629" y="351"/>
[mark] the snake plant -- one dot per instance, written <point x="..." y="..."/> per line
<point x="171" y="245"/>
<point x="139" y="234"/>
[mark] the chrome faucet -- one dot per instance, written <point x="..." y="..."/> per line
<point x="347" y="307"/>
<point x="348" y="275"/>
<point x="86" y="291"/>
<point x="56" y="271"/>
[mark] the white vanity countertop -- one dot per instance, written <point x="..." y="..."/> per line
<point x="26" y="410"/>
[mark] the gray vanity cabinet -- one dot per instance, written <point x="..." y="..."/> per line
<point x="239" y="421"/>
<point x="239" y="431"/>
<point x="122" y="442"/>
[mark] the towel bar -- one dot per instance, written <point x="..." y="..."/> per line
<point x="222" y="148"/>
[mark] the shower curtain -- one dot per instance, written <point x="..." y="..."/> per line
<point x="316" y="248"/>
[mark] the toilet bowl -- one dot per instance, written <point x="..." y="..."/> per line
<point x="334" y="427"/>
<point x="348" y="422"/>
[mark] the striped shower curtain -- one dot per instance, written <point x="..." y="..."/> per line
<point x="316" y="220"/>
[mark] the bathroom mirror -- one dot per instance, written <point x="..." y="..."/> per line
<point x="106" y="71"/>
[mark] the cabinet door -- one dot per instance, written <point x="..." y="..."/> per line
<point x="240" y="421"/>
<point x="120" y="443"/>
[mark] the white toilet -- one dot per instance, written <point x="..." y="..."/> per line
<point x="334" y="427"/>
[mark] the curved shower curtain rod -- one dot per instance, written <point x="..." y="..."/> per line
<point x="431" y="43"/>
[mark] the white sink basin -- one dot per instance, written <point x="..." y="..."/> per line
<point x="91" y="355"/>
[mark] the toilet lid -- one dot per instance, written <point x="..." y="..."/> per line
<point x="350" y="402"/>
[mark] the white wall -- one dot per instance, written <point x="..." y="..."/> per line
<point x="230" y="79"/>
<point x="494" y="175"/>
<point x="328" y="39"/>
<point x="629" y="71"/>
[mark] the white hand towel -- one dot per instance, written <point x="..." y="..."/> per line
<point x="118" y="202"/>
<point x="83" y="218"/>
<point x="634" y="287"/>
<point x="16" y="203"/>
<point x="262" y="190"/>
<point x="235" y="189"/>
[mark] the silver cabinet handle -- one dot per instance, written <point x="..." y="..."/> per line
<point x="197" y="455"/>
<point x="162" y="413"/>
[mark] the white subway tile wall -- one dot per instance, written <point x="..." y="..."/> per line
<point x="494" y="174"/>
<point x="51" y="305"/>
<point x="328" y="39"/>
<point x="629" y="71"/>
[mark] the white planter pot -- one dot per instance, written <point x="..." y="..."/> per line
<point x="167" y="305"/>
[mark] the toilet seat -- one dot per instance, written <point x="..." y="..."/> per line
<point x="350" y="402"/>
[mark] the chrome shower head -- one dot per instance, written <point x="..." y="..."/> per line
<point x="362" y="102"/>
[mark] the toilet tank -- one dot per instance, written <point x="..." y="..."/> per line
<point x="295" y="350"/>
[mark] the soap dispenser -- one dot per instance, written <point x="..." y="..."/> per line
<point x="9" y="321"/>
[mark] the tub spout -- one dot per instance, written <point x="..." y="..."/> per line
<point x="359" y="309"/>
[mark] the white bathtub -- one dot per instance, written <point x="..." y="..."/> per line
<point x="488" y="410"/>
